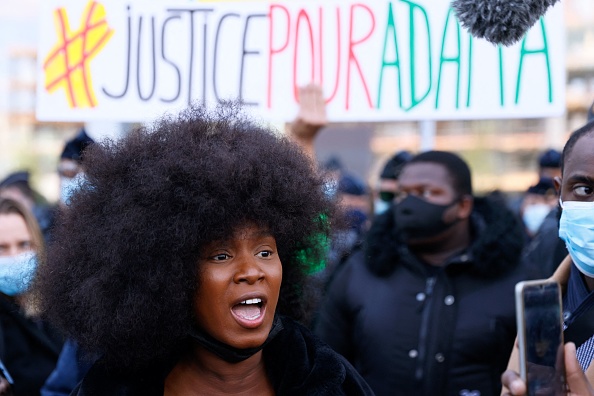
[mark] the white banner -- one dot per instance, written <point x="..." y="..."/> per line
<point x="377" y="60"/>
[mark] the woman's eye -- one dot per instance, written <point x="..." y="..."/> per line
<point x="265" y="254"/>
<point x="583" y="191"/>
<point x="25" y="245"/>
<point x="220" y="257"/>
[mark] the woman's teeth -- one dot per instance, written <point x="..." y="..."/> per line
<point x="252" y="301"/>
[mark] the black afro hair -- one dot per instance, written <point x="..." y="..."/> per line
<point x="121" y="272"/>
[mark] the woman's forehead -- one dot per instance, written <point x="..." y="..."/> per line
<point x="13" y="225"/>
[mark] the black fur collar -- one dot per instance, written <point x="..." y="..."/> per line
<point x="496" y="247"/>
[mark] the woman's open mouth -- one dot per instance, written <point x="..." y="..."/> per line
<point x="249" y="313"/>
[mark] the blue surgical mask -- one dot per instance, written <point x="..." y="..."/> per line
<point x="17" y="272"/>
<point x="380" y="206"/>
<point x="330" y="188"/>
<point x="534" y="215"/>
<point x="69" y="186"/>
<point x="576" y="228"/>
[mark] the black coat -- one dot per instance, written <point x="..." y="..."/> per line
<point x="29" y="348"/>
<point x="546" y="250"/>
<point x="413" y="329"/>
<point x="298" y="363"/>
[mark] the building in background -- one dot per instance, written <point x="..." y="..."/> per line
<point x="502" y="153"/>
<point x="26" y="144"/>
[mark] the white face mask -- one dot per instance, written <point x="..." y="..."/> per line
<point x="17" y="272"/>
<point x="576" y="228"/>
<point x="534" y="215"/>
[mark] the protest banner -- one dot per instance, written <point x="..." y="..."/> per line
<point x="378" y="60"/>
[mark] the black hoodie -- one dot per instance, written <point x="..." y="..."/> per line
<point x="413" y="329"/>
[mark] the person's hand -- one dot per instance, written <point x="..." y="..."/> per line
<point x="310" y="118"/>
<point x="576" y="379"/>
<point x="312" y="112"/>
<point x="5" y="388"/>
<point x="513" y="384"/>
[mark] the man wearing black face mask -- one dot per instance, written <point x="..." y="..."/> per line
<point x="426" y="307"/>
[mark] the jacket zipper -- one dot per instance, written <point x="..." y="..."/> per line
<point x="424" y="331"/>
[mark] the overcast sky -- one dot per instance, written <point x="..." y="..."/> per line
<point x="18" y="29"/>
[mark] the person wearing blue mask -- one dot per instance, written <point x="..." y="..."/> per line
<point x="576" y="272"/>
<point x="17" y="186"/>
<point x="70" y="169"/>
<point x="71" y="366"/>
<point x="355" y="202"/>
<point x="538" y="202"/>
<point x="29" y="348"/>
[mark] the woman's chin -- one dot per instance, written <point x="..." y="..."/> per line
<point x="251" y="341"/>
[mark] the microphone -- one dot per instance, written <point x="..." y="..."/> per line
<point x="500" y="21"/>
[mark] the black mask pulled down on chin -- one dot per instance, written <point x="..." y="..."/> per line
<point x="229" y="353"/>
<point x="419" y="219"/>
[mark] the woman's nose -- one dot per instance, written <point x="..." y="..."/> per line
<point x="248" y="271"/>
<point x="14" y="250"/>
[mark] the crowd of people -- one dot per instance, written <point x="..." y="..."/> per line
<point x="208" y="254"/>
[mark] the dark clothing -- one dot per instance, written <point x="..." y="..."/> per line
<point x="576" y="296"/>
<point x="46" y="216"/>
<point x="546" y="250"/>
<point x="578" y="301"/>
<point x="69" y="371"/>
<point x="414" y="329"/>
<point x="298" y="363"/>
<point x="28" y="348"/>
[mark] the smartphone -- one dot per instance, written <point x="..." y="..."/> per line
<point x="540" y="337"/>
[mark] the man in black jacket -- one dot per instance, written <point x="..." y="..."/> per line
<point x="426" y="308"/>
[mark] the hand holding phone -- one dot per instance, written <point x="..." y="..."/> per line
<point x="577" y="382"/>
<point x="540" y="337"/>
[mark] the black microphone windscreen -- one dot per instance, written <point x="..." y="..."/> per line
<point x="500" y="21"/>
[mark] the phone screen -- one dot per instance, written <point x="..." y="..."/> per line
<point x="543" y="339"/>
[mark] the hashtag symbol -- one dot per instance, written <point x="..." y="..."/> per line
<point x="67" y="65"/>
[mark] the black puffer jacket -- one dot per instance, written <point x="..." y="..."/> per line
<point x="413" y="329"/>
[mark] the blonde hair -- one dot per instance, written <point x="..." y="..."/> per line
<point x="8" y="206"/>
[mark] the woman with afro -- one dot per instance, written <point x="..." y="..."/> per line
<point x="180" y="263"/>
